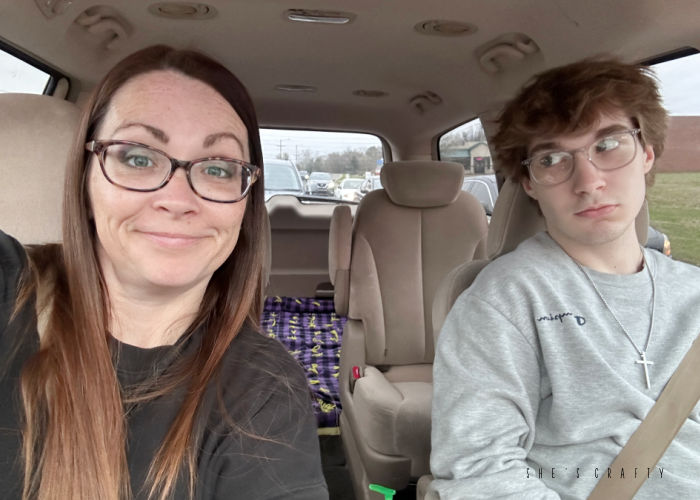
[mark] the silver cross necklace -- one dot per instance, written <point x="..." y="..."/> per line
<point x="642" y="352"/>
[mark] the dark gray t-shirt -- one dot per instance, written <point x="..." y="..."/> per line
<point x="262" y="388"/>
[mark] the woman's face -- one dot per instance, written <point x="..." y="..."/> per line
<point x="170" y="240"/>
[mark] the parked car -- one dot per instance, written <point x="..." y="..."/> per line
<point x="282" y="177"/>
<point x="370" y="184"/>
<point x="320" y="183"/>
<point x="349" y="189"/>
<point x="658" y="241"/>
<point x="484" y="188"/>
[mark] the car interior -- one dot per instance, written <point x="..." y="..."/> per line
<point x="356" y="290"/>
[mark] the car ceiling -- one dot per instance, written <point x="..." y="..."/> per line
<point x="378" y="50"/>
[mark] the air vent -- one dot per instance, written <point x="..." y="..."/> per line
<point x="424" y="101"/>
<point x="369" y="93"/>
<point x="444" y="28"/>
<point x="295" y="88"/>
<point x="103" y="26"/>
<point x="319" y="16"/>
<point x="504" y="51"/>
<point x="182" y="10"/>
<point x="53" y="8"/>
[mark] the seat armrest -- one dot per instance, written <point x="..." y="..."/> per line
<point x="339" y="249"/>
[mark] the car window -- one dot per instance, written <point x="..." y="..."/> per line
<point x="325" y="159"/>
<point x="20" y="75"/>
<point x="467" y="145"/>
<point x="320" y="175"/>
<point x="352" y="183"/>
<point x="484" y="189"/>
<point x="673" y="206"/>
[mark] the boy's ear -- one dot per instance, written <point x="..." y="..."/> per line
<point x="648" y="158"/>
<point x="527" y="187"/>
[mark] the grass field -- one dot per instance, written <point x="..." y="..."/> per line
<point x="674" y="208"/>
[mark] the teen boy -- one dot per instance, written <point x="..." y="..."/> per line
<point x="551" y="359"/>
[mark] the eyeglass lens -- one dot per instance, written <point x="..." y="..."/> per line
<point x="607" y="153"/>
<point x="137" y="167"/>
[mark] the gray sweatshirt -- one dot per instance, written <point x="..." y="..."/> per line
<point x="537" y="389"/>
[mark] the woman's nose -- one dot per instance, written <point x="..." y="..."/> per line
<point x="177" y="195"/>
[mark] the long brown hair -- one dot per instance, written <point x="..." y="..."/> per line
<point x="75" y="432"/>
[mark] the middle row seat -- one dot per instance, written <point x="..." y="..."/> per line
<point x="386" y="268"/>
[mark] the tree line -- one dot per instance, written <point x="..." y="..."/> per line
<point x="350" y="162"/>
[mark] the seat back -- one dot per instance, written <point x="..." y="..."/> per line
<point x="36" y="137"/>
<point x="406" y="238"/>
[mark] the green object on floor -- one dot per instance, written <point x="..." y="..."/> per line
<point x="387" y="492"/>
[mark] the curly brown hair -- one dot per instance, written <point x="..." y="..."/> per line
<point x="571" y="99"/>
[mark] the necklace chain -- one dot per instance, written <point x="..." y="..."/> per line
<point x="642" y="352"/>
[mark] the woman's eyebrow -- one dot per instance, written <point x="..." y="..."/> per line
<point x="212" y="138"/>
<point x="156" y="132"/>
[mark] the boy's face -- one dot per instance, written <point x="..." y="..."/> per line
<point x="592" y="208"/>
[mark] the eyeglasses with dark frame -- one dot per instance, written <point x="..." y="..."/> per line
<point x="139" y="167"/>
<point x="610" y="152"/>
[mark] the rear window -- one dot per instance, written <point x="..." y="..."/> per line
<point x="327" y="162"/>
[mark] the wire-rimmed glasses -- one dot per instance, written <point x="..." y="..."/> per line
<point x="138" y="167"/>
<point x="610" y="152"/>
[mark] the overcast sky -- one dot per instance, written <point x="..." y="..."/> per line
<point x="680" y="85"/>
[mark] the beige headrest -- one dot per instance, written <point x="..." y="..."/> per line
<point x="422" y="184"/>
<point x="36" y="136"/>
<point x="516" y="217"/>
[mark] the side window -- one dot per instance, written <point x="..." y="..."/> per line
<point x="467" y="145"/>
<point x="19" y="75"/>
<point x="673" y="207"/>
<point x="319" y="166"/>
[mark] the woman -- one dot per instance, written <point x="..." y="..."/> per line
<point x="146" y="377"/>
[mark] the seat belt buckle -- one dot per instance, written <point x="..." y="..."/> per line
<point x="355" y="374"/>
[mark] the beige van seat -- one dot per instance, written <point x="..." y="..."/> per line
<point x="36" y="137"/>
<point x="405" y="239"/>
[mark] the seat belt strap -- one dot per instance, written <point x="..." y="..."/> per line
<point x="653" y="436"/>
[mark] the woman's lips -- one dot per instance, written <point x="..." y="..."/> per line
<point x="597" y="211"/>
<point x="172" y="240"/>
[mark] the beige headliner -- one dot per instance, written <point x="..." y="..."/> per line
<point x="379" y="50"/>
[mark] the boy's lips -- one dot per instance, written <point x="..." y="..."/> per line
<point x="597" y="210"/>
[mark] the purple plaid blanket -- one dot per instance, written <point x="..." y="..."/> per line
<point x="311" y="332"/>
